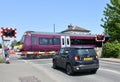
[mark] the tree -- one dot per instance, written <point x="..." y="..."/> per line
<point x="112" y="28"/>
<point x="14" y="43"/>
<point x="112" y="19"/>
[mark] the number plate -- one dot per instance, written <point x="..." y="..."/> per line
<point x="86" y="59"/>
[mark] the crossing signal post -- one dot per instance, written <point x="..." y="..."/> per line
<point x="7" y="33"/>
<point x="100" y="37"/>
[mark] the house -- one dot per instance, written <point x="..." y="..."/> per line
<point x="75" y="30"/>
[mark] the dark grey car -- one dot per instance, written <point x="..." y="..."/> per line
<point x="76" y="59"/>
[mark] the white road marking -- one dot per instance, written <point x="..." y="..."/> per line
<point x="109" y="62"/>
<point x="109" y="70"/>
<point x="28" y="61"/>
<point x="46" y="64"/>
<point x="25" y="61"/>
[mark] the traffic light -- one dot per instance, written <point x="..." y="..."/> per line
<point x="9" y="32"/>
<point x="100" y="38"/>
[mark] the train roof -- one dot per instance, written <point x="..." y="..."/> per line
<point x="58" y="33"/>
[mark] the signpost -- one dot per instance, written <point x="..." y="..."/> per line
<point x="6" y="33"/>
<point x="100" y="38"/>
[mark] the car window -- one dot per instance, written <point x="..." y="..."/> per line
<point x="82" y="51"/>
<point x="61" y="51"/>
<point x="92" y="52"/>
<point x="85" y="51"/>
<point x="66" y="51"/>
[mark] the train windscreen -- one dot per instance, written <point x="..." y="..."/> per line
<point x="23" y="39"/>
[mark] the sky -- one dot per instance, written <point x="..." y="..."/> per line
<point x="41" y="15"/>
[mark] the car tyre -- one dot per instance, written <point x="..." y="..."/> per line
<point x="69" y="70"/>
<point x="54" y="64"/>
<point x="94" y="71"/>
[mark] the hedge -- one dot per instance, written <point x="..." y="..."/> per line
<point x="111" y="49"/>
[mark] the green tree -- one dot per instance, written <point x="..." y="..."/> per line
<point x="112" y="19"/>
<point x="112" y="27"/>
<point x="14" y="43"/>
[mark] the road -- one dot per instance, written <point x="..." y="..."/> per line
<point x="108" y="71"/>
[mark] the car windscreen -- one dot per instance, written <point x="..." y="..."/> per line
<point x="80" y="51"/>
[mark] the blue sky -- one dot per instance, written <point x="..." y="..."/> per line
<point x="40" y="15"/>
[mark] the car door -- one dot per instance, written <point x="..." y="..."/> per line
<point x="65" y="57"/>
<point x="59" y="57"/>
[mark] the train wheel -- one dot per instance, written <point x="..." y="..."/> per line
<point x="30" y="56"/>
<point x="38" y="56"/>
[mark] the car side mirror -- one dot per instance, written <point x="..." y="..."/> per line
<point x="66" y="52"/>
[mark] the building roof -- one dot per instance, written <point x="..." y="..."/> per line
<point x="76" y="28"/>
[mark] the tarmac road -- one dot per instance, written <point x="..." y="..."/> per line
<point x="40" y="70"/>
<point x="108" y="72"/>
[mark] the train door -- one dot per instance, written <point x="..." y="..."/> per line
<point x="65" y="41"/>
<point x="33" y="43"/>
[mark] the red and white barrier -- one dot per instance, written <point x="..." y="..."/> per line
<point x="35" y="53"/>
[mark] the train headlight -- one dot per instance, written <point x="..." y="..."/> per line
<point x="20" y="47"/>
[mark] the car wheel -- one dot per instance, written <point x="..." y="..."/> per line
<point x="54" y="64"/>
<point x="69" y="69"/>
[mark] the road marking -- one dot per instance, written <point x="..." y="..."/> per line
<point x="110" y="62"/>
<point x="25" y="61"/>
<point x="103" y="69"/>
<point x="109" y="70"/>
<point x="46" y="64"/>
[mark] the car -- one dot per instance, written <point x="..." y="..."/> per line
<point x="76" y="59"/>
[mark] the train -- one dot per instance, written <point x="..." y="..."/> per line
<point x="36" y="42"/>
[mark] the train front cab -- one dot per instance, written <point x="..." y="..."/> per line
<point x="25" y="42"/>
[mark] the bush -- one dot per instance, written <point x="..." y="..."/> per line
<point x="111" y="49"/>
<point x="0" y="45"/>
<point x="1" y="60"/>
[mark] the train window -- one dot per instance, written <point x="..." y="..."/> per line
<point x="50" y="41"/>
<point x="33" y="40"/>
<point x="82" y="41"/>
<point x="68" y="41"/>
<point x="63" y="41"/>
<point x="23" y="39"/>
<point x="43" y="41"/>
<point x="56" y="41"/>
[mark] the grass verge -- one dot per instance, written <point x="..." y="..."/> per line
<point x="1" y="60"/>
